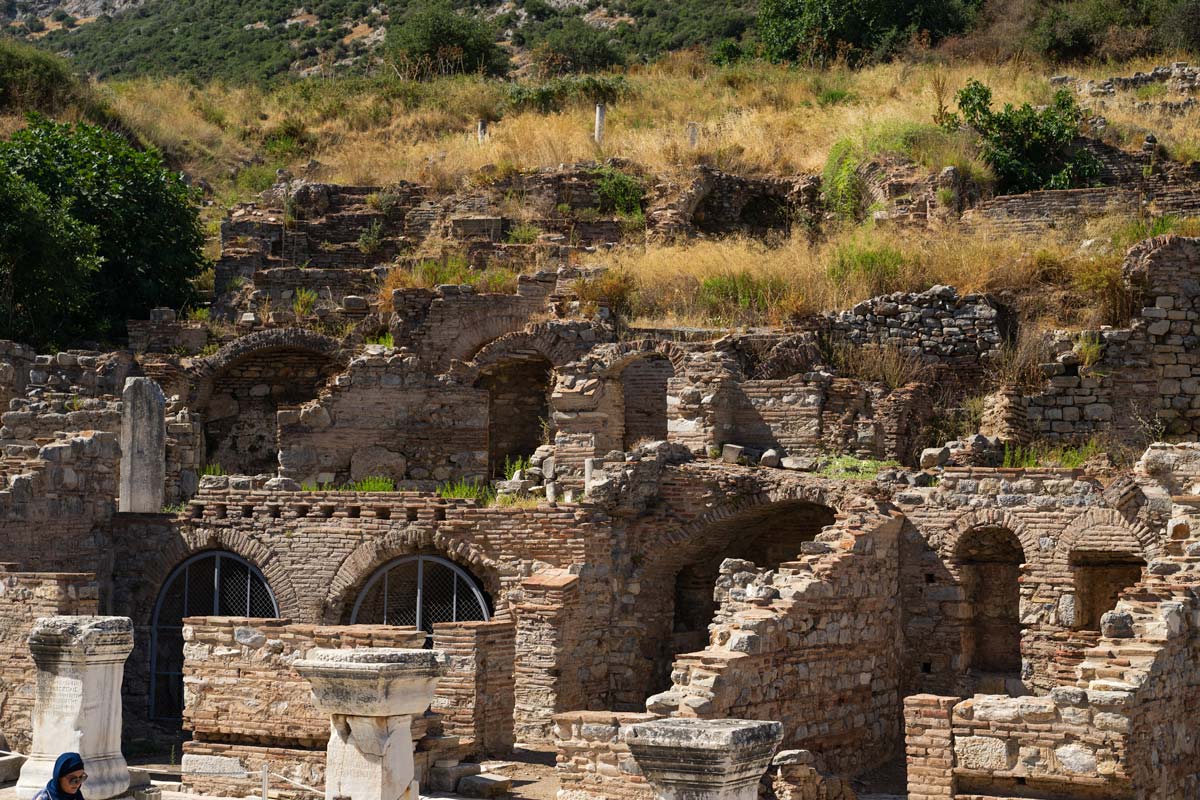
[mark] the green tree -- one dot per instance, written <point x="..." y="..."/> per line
<point x="1029" y="148"/>
<point x="438" y="40"/>
<point x="818" y="31"/>
<point x="576" y="47"/>
<point x="146" y="219"/>
<point x="47" y="259"/>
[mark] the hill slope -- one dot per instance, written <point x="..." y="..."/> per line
<point x="261" y="39"/>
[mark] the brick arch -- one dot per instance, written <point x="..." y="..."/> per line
<point x="361" y="564"/>
<point x="193" y="541"/>
<point x="485" y="328"/>
<point x="680" y="541"/>
<point x="625" y="353"/>
<point x="1091" y="526"/>
<point x="206" y="369"/>
<point x="990" y="518"/>
<point x="541" y="339"/>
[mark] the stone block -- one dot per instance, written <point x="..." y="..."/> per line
<point x="445" y="779"/>
<point x="984" y="753"/>
<point x="486" y="785"/>
<point x="730" y="453"/>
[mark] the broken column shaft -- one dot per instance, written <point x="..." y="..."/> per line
<point x="80" y="664"/>
<point x="371" y="696"/>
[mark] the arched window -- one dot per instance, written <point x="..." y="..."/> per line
<point x="419" y="591"/>
<point x="211" y="584"/>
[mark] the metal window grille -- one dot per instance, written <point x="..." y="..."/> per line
<point x="211" y="584"/>
<point x="419" y="591"/>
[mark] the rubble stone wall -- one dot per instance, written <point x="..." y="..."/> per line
<point x="594" y="762"/>
<point x="24" y="598"/>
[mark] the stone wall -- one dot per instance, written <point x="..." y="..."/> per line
<point x="246" y="706"/>
<point x="812" y="644"/>
<point x="594" y="762"/>
<point x="163" y="333"/>
<point x="25" y="597"/>
<point x="386" y="416"/>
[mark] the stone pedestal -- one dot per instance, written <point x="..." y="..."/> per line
<point x="704" y="759"/>
<point x="371" y="696"/>
<point x="143" y="447"/>
<point x="80" y="663"/>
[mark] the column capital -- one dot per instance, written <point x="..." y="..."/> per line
<point x="705" y="759"/>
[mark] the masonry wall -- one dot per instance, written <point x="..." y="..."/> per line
<point x="594" y="762"/>
<point x="246" y="705"/>
<point x="386" y="417"/>
<point x="24" y="598"/>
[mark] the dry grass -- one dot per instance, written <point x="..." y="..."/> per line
<point x="753" y="118"/>
<point x="739" y="281"/>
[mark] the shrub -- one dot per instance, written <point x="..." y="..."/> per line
<point x="614" y="288"/>
<point x="147" y="224"/>
<point x="556" y="94"/>
<point x="304" y="301"/>
<point x="890" y="365"/>
<point x="47" y="262"/>
<point x="34" y="80"/>
<point x="576" y="47"/>
<point x="1029" y="148"/>
<point x="384" y="339"/>
<point x="437" y="40"/>
<point x="618" y="192"/>
<point x="817" y="32"/>
<point x="523" y="233"/>
<point x="841" y="185"/>
<point x="371" y="239"/>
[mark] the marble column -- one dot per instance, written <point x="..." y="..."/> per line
<point x="704" y="759"/>
<point x="143" y="447"/>
<point x="371" y="696"/>
<point x="80" y="664"/>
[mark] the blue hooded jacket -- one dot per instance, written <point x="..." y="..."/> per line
<point x="65" y="765"/>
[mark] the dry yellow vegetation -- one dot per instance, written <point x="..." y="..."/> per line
<point x="754" y="118"/>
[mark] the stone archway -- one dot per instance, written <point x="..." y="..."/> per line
<point x="988" y="561"/>
<point x="518" y="390"/>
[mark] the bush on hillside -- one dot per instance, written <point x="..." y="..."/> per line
<point x="818" y="32"/>
<point x="1029" y="148"/>
<point x="439" y="41"/>
<point x="554" y="95"/>
<point x="33" y="80"/>
<point x="146" y="220"/>
<point x="47" y="259"/>
<point x="576" y="47"/>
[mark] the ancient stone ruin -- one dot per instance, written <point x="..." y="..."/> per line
<point x="380" y="543"/>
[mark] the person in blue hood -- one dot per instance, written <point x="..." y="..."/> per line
<point x="67" y="781"/>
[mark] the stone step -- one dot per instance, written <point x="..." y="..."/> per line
<point x="485" y="785"/>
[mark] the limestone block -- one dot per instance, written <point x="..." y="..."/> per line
<point x="143" y="447"/>
<point x="445" y="779"/>
<point x="80" y="664"/>
<point x="983" y="753"/>
<point x="484" y="786"/>
<point x="934" y="457"/>
<point x="769" y="459"/>
<point x="730" y="453"/>
<point x="377" y="461"/>
<point x="1076" y="759"/>
<point x="704" y="759"/>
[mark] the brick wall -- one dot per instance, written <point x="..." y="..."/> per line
<point x="25" y="597"/>
<point x="476" y="695"/>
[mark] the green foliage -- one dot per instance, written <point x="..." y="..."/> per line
<point x="1041" y="454"/>
<point x="856" y="469"/>
<point x="34" y="80"/>
<point x="212" y="470"/>
<point x="493" y="280"/>
<point x="1029" y="148"/>
<point x="843" y="189"/>
<point x="437" y="40"/>
<point x="384" y="339"/>
<point x="371" y="483"/>
<point x="576" y="47"/>
<point x="742" y="294"/>
<point x="513" y="465"/>
<point x="148" y="235"/>
<point x="618" y="192"/>
<point x="1089" y="349"/>
<point x="557" y="94"/>
<point x="877" y="267"/>
<point x="523" y="233"/>
<point x="1072" y="30"/>
<point x="371" y="239"/>
<point x="304" y="301"/>
<point x="817" y="32"/>
<point x="463" y="489"/>
<point x="47" y="262"/>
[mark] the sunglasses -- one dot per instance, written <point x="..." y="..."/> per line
<point x="76" y="781"/>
